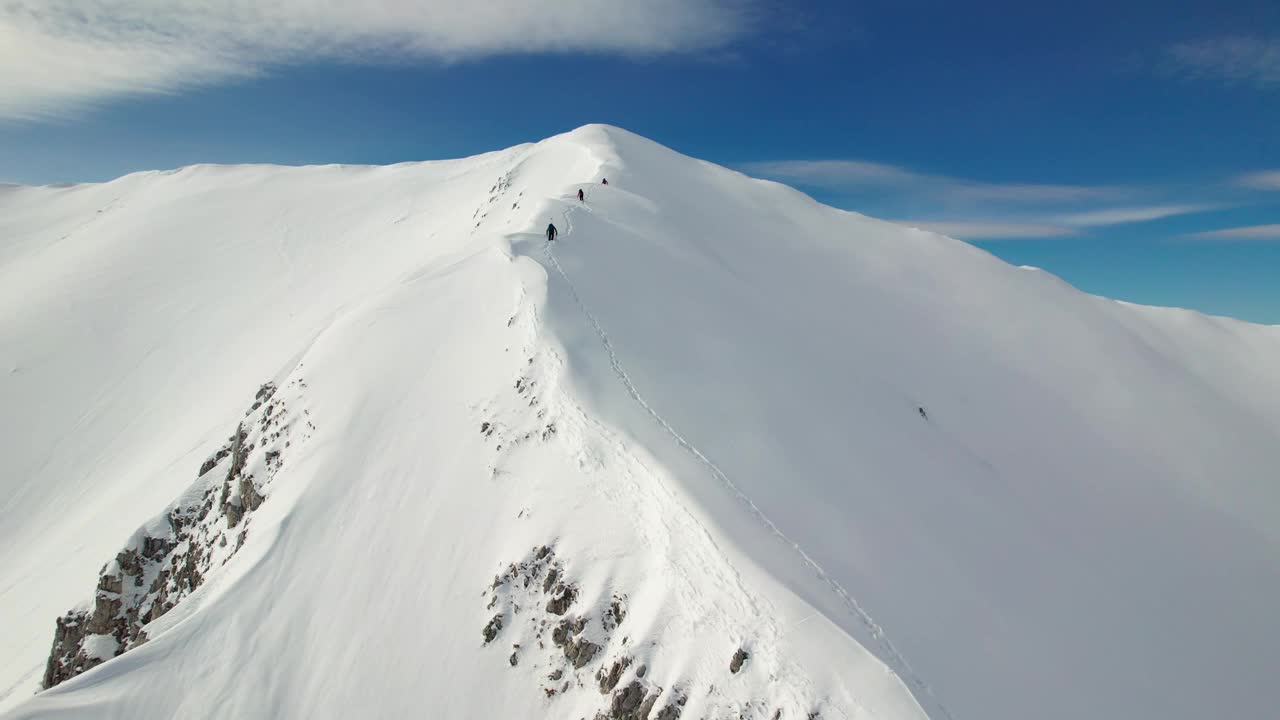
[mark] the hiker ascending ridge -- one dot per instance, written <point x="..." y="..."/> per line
<point x="580" y="197"/>
<point x="551" y="232"/>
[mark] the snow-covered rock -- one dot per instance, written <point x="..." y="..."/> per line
<point x="719" y="451"/>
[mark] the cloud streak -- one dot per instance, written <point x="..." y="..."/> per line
<point x="1252" y="232"/>
<point x="60" y="56"/>
<point x="1264" y="180"/>
<point x="861" y="174"/>
<point x="1235" y="59"/>
<point x="1119" y="216"/>
<point x="989" y="229"/>
<point x="984" y="210"/>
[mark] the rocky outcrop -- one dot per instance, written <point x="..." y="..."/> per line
<point x="609" y="679"/>
<point x="542" y="606"/>
<point x="634" y="702"/>
<point x="168" y="558"/>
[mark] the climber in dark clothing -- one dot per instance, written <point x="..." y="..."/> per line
<point x="580" y="197"/>
<point x="604" y="181"/>
<point x="923" y="414"/>
<point x="551" y="232"/>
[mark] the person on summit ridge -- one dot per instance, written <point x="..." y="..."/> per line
<point x="580" y="196"/>
<point x="551" y="232"/>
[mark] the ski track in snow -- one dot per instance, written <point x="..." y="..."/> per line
<point x="873" y="628"/>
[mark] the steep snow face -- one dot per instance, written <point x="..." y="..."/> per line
<point x="719" y="451"/>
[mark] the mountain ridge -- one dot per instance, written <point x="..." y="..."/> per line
<point x="707" y="352"/>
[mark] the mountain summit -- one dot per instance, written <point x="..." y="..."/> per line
<point x="359" y="441"/>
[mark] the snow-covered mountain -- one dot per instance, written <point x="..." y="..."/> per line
<point x="357" y="441"/>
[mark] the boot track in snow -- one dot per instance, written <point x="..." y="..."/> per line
<point x="873" y="628"/>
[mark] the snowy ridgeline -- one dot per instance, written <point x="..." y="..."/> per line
<point x="717" y="452"/>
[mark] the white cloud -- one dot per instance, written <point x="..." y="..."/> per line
<point x="1039" y="211"/>
<point x="1234" y="59"/>
<point x="837" y="173"/>
<point x="853" y="174"/>
<point x="1025" y="192"/>
<point x="1117" y="216"/>
<point x="1264" y="180"/>
<point x="60" y="55"/>
<point x="988" y="229"/>
<point x="1056" y="226"/>
<point x="1252" y="232"/>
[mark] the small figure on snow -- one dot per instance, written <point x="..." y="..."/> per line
<point x="923" y="414"/>
<point x="580" y="196"/>
<point x="551" y="232"/>
<point x="604" y="181"/>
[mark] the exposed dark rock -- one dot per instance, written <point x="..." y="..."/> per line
<point x="626" y="701"/>
<point x="66" y="659"/>
<point x="491" y="630"/>
<point x="580" y="651"/>
<point x="105" y="610"/>
<point x="265" y="392"/>
<point x="239" y="453"/>
<point x="633" y="702"/>
<point x="739" y="658"/>
<point x="616" y="613"/>
<point x="564" y="631"/>
<point x="110" y="583"/>
<point x="213" y="460"/>
<point x="155" y="548"/>
<point x="671" y="711"/>
<point x="515" y="658"/>
<point x="609" y="680"/>
<point x="649" y="701"/>
<point x="249" y="495"/>
<point x="563" y="597"/>
<point x="130" y="564"/>
<point x="552" y="575"/>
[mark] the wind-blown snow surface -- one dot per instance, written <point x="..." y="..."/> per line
<point x="705" y="397"/>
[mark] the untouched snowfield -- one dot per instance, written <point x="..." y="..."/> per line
<point x="691" y="426"/>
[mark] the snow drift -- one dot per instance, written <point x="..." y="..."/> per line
<point x="720" y="451"/>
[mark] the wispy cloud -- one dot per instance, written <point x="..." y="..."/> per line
<point x="835" y="173"/>
<point x="985" y="210"/>
<point x="1118" y="216"/>
<point x="1264" y="180"/>
<point x="1233" y="59"/>
<point x="989" y="229"/>
<point x="1252" y="232"/>
<point x="856" y="174"/>
<point x="58" y="56"/>
<point x="1026" y="192"/>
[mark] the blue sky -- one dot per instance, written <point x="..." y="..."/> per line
<point x="1131" y="147"/>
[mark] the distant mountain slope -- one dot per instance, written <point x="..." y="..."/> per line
<point x="719" y="451"/>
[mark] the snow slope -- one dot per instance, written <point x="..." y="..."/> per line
<point x="704" y="401"/>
